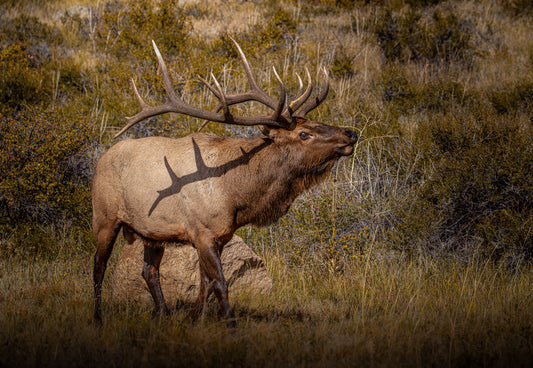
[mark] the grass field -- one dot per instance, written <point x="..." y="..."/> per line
<point x="379" y="312"/>
<point x="416" y="251"/>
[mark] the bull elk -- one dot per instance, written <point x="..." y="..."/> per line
<point x="201" y="188"/>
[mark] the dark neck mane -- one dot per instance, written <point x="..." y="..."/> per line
<point x="274" y="177"/>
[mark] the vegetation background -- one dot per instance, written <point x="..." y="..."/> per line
<point x="417" y="251"/>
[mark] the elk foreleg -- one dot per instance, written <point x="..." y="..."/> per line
<point x="210" y="261"/>
<point x="152" y="259"/>
<point x="105" y="238"/>
<point x="206" y="288"/>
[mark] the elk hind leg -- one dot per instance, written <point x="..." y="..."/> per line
<point x="105" y="239"/>
<point x="153" y="254"/>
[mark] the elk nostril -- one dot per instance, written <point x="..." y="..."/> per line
<point x="351" y="134"/>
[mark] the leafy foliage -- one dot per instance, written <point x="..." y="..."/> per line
<point x="404" y="96"/>
<point x="440" y="93"/>
<point x="29" y="30"/>
<point x="46" y="167"/>
<point x="509" y="99"/>
<point x="279" y="28"/>
<point x="480" y="188"/>
<point x="127" y="28"/>
<point x="442" y="38"/>
<point x="20" y="83"/>
<point x="518" y="7"/>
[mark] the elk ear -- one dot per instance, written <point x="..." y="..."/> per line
<point x="265" y="129"/>
<point x="298" y="120"/>
<point x="272" y="131"/>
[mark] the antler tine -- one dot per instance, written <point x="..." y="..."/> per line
<point x="173" y="104"/>
<point x="302" y="96"/>
<point x="255" y="93"/>
<point x="312" y="104"/>
<point x="300" y="85"/>
<point x="137" y="95"/>
<point x="290" y="110"/>
<point x="266" y="99"/>
<point x="132" y="120"/>
<point x="209" y="86"/>
<point x="282" y="97"/>
<point x="220" y="104"/>
<point x="222" y="98"/>
<point x="167" y="82"/>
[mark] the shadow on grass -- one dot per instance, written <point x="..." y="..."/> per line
<point x="246" y="313"/>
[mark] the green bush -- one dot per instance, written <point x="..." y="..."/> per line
<point x="128" y="28"/>
<point x="479" y="191"/>
<point x="508" y="99"/>
<point x="443" y="162"/>
<point x="397" y="90"/>
<point x="45" y="167"/>
<point x="32" y="72"/>
<point x="342" y="64"/>
<point x="279" y="29"/>
<point x="20" y="83"/>
<point x="404" y="96"/>
<point x="518" y="7"/>
<point x="440" y="39"/>
<point x="28" y="30"/>
<point x="415" y="3"/>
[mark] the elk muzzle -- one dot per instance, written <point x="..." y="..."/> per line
<point x="351" y="134"/>
<point x="347" y="148"/>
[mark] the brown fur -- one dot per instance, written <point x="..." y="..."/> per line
<point x="200" y="189"/>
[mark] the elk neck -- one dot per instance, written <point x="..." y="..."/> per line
<point x="274" y="175"/>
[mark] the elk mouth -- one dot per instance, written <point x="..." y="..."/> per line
<point x="345" y="150"/>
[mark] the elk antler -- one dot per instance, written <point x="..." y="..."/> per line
<point x="282" y="116"/>
<point x="255" y="91"/>
<point x="311" y="104"/>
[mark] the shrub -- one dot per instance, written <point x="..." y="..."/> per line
<point x="31" y="70"/>
<point x="278" y="30"/>
<point x="442" y="38"/>
<point x="415" y="3"/>
<point x="126" y="29"/>
<point x="342" y="64"/>
<point x="20" y="83"/>
<point x="27" y="79"/>
<point x="479" y="191"/>
<point x="518" y="7"/>
<point x="281" y="26"/>
<point x="436" y="95"/>
<point x="45" y="167"/>
<point x="508" y="99"/>
<point x="28" y="30"/>
<point x="397" y="89"/>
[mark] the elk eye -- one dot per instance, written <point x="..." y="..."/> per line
<point x="304" y="135"/>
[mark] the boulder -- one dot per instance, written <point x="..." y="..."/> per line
<point x="179" y="273"/>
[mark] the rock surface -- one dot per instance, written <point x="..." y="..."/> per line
<point x="179" y="274"/>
